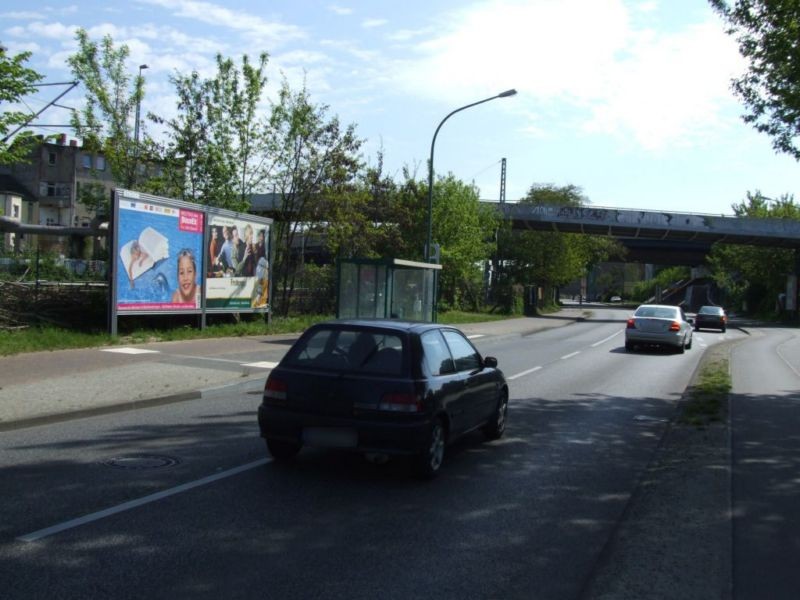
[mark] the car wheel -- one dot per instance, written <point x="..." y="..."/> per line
<point x="696" y="328"/>
<point x="281" y="450"/>
<point x="629" y="347"/>
<point x="682" y="348"/>
<point x="430" y="461"/>
<point x="495" y="428"/>
<point x="723" y="330"/>
<point x="689" y="345"/>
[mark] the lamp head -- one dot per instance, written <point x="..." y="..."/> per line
<point x="507" y="93"/>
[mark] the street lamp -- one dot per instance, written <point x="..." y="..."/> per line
<point x="136" y="128"/>
<point x="428" y="245"/>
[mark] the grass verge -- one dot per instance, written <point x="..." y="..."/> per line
<point x="46" y="338"/>
<point x="707" y="397"/>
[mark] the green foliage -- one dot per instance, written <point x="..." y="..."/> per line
<point x="755" y="275"/>
<point x="313" y="163"/>
<point x="16" y="82"/>
<point x="552" y="259"/>
<point x="644" y="290"/>
<point x="767" y="32"/>
<point x="464" y="228"/>
<point x="215" y="153"/>
<point x="106" y="121"/>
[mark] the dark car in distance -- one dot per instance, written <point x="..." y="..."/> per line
<point x="382" y="387"/>
<point x="711" y="317"/>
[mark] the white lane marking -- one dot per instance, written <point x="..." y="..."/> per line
<point x="528" y="372"/>
<point x="96" y="516"/>
<point x="130" y="351"/>
<point x="475" y="336"/>
<point x="566" y="356"/>
<point x="603" y="341"/>
<point x="264" y="364"/>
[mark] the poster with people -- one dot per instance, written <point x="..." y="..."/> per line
<point x="237" y="264"/>
<point x="160" y="256"/>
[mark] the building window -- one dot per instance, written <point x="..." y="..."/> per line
<point x="100" y="163"/>
<point x="86" y="161"/>
<point x="51" y="158"/>
<point x="15" y="210"/>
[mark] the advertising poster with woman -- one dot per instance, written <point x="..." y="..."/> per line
<point x="237" y="264"/>
<point x="160" y="257"/>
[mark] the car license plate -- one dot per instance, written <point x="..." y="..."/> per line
<point x="330" y="437"/>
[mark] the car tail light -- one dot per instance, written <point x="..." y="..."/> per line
<point x="401" y="402"/>
<point x="724" y="318"/>
<point x="275" y="389"/>
<point x="631" y="324"/>
<point x="675" y="326"/>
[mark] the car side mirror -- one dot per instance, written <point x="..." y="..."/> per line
<point x="490" y="362"/>
<point x="690" y="321"/>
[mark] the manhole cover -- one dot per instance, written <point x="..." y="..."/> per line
<point x="138" y="462"/>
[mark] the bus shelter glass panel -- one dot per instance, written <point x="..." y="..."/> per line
<point x="381" y="288"/>
<point x="348" y="291"/>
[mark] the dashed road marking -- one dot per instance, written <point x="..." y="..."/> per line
<point x="570" y="355"/>
<point x="130" y="351"/>
<point x="523" y="373"/>
<point x="264" y="364"/>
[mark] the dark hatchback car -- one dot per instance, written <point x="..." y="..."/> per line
<point x="382" y="387"/>
<point x="711" y="317"/>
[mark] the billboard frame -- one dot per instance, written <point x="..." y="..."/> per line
<point x="155" y="207"/>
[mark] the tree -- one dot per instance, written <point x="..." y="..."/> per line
<point x="465" y="231"/>
<point x="755" y="274"/>
<point x="215" y="153"/>
<point x="550" y="259"/>
<point x="16" y="82"/>
<point x="767" y="32"/>
<point x="313" y="162"/>
<point x="105" y="123"/>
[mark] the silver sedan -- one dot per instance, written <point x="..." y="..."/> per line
<point x="658" y="325"/>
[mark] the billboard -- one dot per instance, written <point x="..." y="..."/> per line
<point x="237" y="263"/>
<point x="158" y="251"/>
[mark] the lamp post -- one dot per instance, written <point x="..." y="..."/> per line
<point x="136" y="127"/>
<point x="428" y="245"/>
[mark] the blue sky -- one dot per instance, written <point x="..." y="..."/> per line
<point x="628" y="99"/>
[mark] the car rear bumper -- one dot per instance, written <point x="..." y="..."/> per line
<point x="371" y="434"/>
<point x="709" y="324"/>
<point x="643" y="337"/>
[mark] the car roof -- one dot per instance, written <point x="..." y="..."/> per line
<point x="656" y="306"/>
<point x="393" y="324"/>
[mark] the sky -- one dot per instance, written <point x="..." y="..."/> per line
<point x="630" y="100"/>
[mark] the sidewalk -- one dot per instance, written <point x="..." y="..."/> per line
<point x="44" y="387"/>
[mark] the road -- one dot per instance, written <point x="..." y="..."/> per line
<point x="765" y="455"/>
<point x="181" y="500"/>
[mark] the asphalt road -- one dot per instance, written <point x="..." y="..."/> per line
<point x="180" y="500"/>
<point x="765" y="458"/>
<point x="592" y="494"/>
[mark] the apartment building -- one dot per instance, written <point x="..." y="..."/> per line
<point x="49" y="186"/>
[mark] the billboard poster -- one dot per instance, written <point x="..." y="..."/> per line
<point x="237" y="264"/>
<point x="160" y="256"/>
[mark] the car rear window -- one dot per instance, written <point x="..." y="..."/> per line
<point x="366" y="351"/>
<point x="710" y="310"/>
<point x="658" y="312"/>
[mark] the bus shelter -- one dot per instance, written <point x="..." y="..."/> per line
<point x="386" y="288"/>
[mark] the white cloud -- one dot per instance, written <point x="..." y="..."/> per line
<point x="372" y="23"/>
<point x="271" y="33"/>
<point x="340" y="10"/>
<point x="585" y="58"/>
